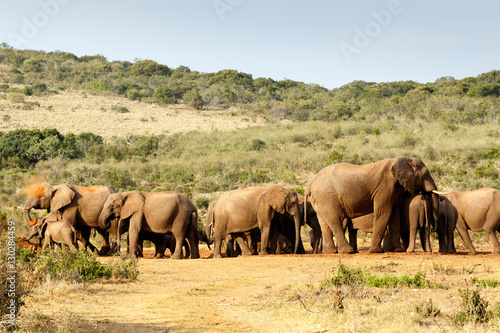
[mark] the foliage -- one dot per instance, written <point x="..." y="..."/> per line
<point x="467" y="101"/>
<point x="473" y="308"/>
<point x="355" y="276"/>
<point x="27" y="147"/>
<point x="82" y="265"/>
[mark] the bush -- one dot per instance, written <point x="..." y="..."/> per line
<point x="28" y="91"/>
<point x="473" y="308"/>
<point x="353" y="277"/>
<point x="120" y="109"/>
<point x="163" y="94"/>
<point x="83" y="265"/>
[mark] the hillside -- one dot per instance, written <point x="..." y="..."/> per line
<point x="74" y="111"/>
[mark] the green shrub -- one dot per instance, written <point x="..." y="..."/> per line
<point x="355" y="276"/>
<point x="83" y="265"/>
<point x="28" y="91"/>
<point x="473" y="308"/>
<point x="258" y="145"/>
<point x="120" y="109"/>
<point x="163" y="94"/>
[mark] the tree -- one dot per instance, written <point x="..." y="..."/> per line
<point x="148" y="68"/>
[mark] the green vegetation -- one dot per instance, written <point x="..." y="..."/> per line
<point x="356" y="277"/>
<point x="473" y="308"/>
<point x="81" y="265"/>
<point x="472" y="100"/>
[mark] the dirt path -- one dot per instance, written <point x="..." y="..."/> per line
<point x="244" y="294"/>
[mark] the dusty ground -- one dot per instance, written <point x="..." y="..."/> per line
<point x="265" y="294"/>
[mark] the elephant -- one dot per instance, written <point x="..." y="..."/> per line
<point x="243" y="243"/>
<point x="252" y="208"/>
<point x="170" y="242"/>
<point x="416" y="214"/>
<point x="478" y="210"/>
<point x="154" y="212"/>
<point x="448" y="216"/>
<point x="283" y="227"/>
<point x="345" y="190"/>
<point x="311" y="219"/>
<point x="51" y="229"/>
<point x="80" y="206"/>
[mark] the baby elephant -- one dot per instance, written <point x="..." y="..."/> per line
<point x="52" y="230"/>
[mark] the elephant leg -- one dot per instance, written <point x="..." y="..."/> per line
<point x="491" y="231"/>
<point x="245" y="250"/>
<point x="160" y="246"/>
<point x="462" y="230"/>
<point x="425" y="239"/>
<point x="265" y="230"/>
<point x="179" y="239"/>
<point x="133" y="234"/>
<point x="413" y="236"/>
<point x="353" y="237"/>
<point x="218" y="244"/>
<point x="327" y="237"/>
<point x="192" y="249"/>
<point x="229" y="246"/>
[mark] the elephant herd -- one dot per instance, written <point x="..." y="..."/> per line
<point x="393" y="198"/>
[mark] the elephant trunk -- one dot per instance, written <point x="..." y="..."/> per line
<point x="297" y="232"/>
<point x="33" y="233"/>
<point x="435" y="207"/>
<point x="105" y="219"/>
<point x="27" y="216"/>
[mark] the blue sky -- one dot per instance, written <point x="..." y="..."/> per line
<point x="329" y="43"/>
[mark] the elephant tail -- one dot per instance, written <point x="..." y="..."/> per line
<point x="194" y="225"/>
<point x="305" y="208"/>
<point x="429" y="217"/>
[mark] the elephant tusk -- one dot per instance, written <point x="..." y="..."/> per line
<point x="440" y="193"/>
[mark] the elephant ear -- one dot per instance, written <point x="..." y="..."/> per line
<point x="402" y="170"/>
<point x="276" y="198"/>
<point x="132" y="203"/>
<point x="61" y="197"/>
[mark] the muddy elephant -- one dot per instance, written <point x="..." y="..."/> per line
<point x="78" y="205"/>
<point x="253" y="208"/>
<point x="445" y="227"/>
<point x="51" y="229"/>
<point x="154" y="212"/>
<point x="478" y="210"/>
<point x="344" y="190"/>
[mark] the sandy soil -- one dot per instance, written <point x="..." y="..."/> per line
<point x="244" y="294"/>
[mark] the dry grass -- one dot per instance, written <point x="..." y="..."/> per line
<point x="266" y="294"/>
<point x="76" y="112"/>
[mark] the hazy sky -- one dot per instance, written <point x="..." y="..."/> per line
<point x="330" y="43"/>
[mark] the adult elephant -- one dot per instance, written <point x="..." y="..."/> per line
<point x="478" y="210"/>
<point x="247" y="209"/>
<point x="78" y="205"/>
<point x="345" y="190"/>
<point x="153" y="212"/>
<point x="448" y="216"/>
